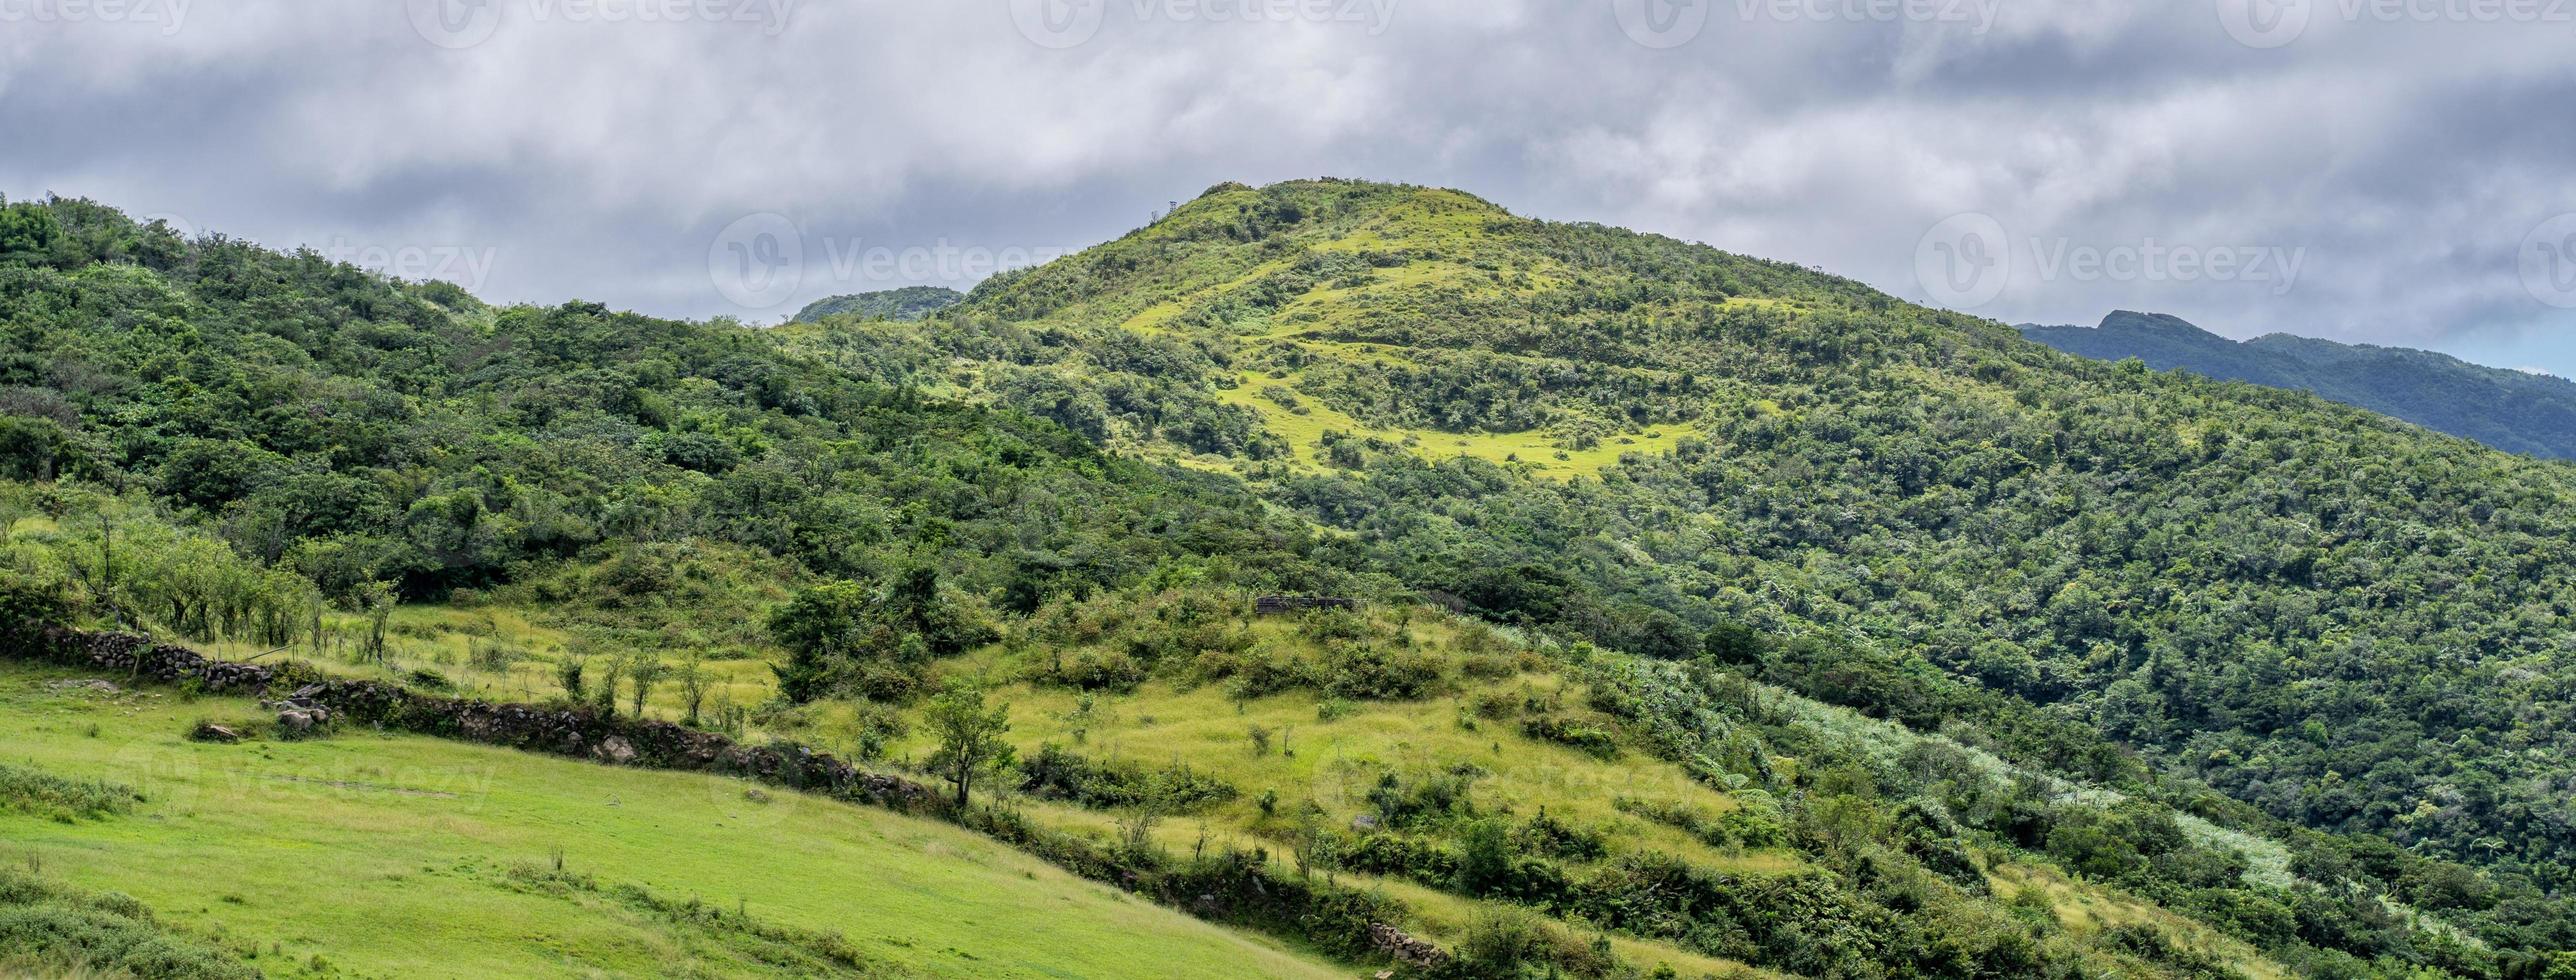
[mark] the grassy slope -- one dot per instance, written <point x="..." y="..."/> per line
<point x="389" y="855"/>
<point x="1334" y="763"/>
<point x="1450" y="255"/>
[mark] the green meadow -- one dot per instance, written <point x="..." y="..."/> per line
<point x="367" y="854"/>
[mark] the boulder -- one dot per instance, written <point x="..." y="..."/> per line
<point x="614" y="750"/>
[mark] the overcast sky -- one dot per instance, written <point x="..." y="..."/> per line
<point x="2384" y="171"/>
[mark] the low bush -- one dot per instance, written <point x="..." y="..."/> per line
<point x="1755" y="822"/>
<point x="1592" y="740"/>
<point x="1422" y="801"/>
<point x="1546" y="835"/>
<point x="1397" y="856"/>
<point x="1378" y="672"/>
<point x="1060" y="775"/>
<point x="1091" y="670"/>
<point x="25" y="789"/>
<point x="105" y="934"/>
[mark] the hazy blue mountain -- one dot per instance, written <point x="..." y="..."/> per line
<point x="2515" y="411"/>
<point x="908" y="303"/>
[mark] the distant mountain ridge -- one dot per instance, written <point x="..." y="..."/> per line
<point x="2515" y="411"/>
<point x="907" y="303"/>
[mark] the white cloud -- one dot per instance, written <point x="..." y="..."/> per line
<point x="598" y="159"/>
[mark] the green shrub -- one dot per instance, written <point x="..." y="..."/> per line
<point x="1423" y="801"/>
<point x="1555" y="838"/>
<point x="1092" y="670"/>
<point x="1396" y="856"/>
<point x="1375" y="672"/>
<point x="27" y="604"/>
<point x="876" y="727"/>
<point x="1501" y="944"/>
<point x="25" y="789"/>
<point x="1057" y="774"/>
<point x="105" y="933"/>
<point x="1593" y="740"/>
<point x="1258" y="672"/>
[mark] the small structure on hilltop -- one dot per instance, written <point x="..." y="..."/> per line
<point x="1280" y="605"/>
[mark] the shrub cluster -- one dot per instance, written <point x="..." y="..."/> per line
<point x="1591" y="739"/>
<point x="1060" y="775"/>
<point x="25" y="789"/>
<point x="47" y="928"/>
<point x="1754" y="822"/>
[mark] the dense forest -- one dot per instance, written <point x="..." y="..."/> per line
<point x="1699" y="484"/>
<point x="366" y="432"/>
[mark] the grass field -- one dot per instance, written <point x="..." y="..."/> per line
<point x="379" y="855"/>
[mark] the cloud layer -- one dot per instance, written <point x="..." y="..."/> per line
<point x="2410" y="154"/>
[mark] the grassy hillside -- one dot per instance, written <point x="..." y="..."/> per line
<point x="2277" y="595"/>
<point x="1398" y="749"/>
<point x="1470" y="774"/>
<point x="371" y="855"/>
<point x="1914" y="648"/>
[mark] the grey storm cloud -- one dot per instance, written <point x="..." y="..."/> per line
<point x="2408" y="154"/>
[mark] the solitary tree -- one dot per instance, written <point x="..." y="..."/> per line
<point x="970" y="736"/>
<point x="645" y="671"/>
<point x="376" y="600"/>
<point x="693" y="679"/>
<point x="612" y="668"/>
<point x="568" y="672"/>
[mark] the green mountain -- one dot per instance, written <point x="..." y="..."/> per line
<point x="2514" y="411"/>
<point x="907" y="303"/>
<point x="1715" y="615"/>
<point x="2286" y="599"/>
